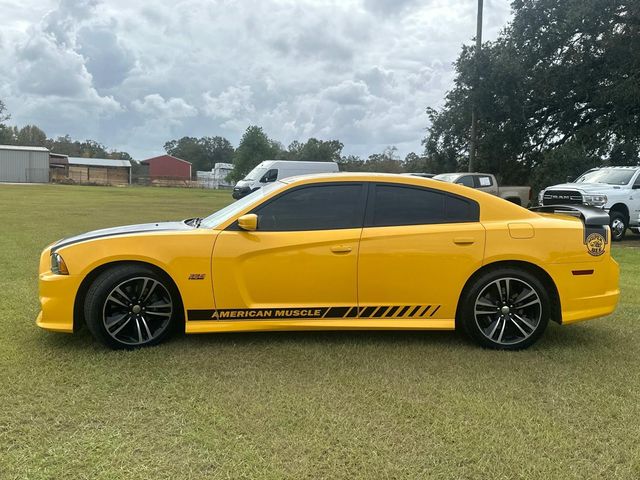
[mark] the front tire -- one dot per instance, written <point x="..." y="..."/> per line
<point x="505" y="309"/>
<point x="131" y="306"/>
<point x="618" y="223"/>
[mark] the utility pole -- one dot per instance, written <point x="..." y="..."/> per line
<point x="473" y="143"/>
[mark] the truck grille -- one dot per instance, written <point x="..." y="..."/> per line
<point x="561" y="197"/>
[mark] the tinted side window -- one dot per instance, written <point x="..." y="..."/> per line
<point x="270" y="176"/>
<point x="319" y="207"/>
<point x="400" y="205"/>
<point x="467" y="181"/>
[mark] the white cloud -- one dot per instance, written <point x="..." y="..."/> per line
<point x="156" y="106"/>
<point x="133" y="75"/>
<point x="231" y="103"/>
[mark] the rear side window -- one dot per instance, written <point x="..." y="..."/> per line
<point x="318" y="207"/>
<point x="483" y="181"/>
<point x="400" y="205"/>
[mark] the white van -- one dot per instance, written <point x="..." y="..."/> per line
<point x="272" y="170"/>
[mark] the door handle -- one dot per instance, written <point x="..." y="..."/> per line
<point x="341" y="249"/>
<point x="463" y="240"/>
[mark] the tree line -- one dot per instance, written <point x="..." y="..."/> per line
<point x="255" y="146"/>
<point x="31" y="135"/>
<point x="204" y="152"/>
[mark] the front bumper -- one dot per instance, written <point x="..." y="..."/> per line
<point x="57" y="297"/>
<point x="238" y="193"/>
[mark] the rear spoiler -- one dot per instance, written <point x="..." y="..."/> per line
<point x="595" y="221"/>
<point x="590" y="216"/>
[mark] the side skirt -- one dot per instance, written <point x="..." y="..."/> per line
<point x="211" y="326"/>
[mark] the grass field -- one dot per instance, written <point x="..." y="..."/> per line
<point x="298" y="405"/>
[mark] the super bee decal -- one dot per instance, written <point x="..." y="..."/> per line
<point x="595" y="244"/>
<point x="386" y="311"/>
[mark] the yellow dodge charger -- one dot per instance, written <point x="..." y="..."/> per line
<point x="338" y="251"/>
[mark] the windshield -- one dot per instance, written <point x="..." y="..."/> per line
<point x="447" y="177"/>
<point x="229" y="211"/>
<point x="612" y="176"/>
<point x="255" y="174"/>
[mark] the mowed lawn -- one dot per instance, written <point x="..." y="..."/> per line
<point x="298" y="405"/>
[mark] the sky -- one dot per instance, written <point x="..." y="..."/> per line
<point x="133" y="74"/>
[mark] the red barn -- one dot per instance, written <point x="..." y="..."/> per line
<point x="168" y="167"/>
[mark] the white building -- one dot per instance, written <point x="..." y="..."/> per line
<point x="217" y="177"/>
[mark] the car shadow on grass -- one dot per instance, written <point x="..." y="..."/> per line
<point x="555" y="338"/>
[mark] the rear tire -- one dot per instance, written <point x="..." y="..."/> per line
<point x="618" y="223"/>
<point x="505" y="308"/>
<point x="131" y="306"/>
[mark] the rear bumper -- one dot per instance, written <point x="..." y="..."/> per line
<point x="583" y="297"/>
<point x="57" y="296"/>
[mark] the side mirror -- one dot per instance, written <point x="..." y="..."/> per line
<point x="570" y="179"/>
<point x="636" y="186"/>
<point x="248" y="222"/>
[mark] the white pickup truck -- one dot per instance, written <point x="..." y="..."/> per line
<point x="487" y="183"/>
<point x="616" y="189"/>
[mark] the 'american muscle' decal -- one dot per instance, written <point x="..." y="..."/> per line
<point x="388" y="311"/>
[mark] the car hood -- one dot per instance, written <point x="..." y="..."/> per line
<point x="125" y="230"/>
<point x="585" y="187"/>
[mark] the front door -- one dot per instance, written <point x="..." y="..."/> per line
<point x="300" y="263"/>
<point x="418" y="248"/>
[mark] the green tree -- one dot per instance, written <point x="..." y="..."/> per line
<point x="203" y="152"/>
<point x="4" y="114"/>
<point x="559" y="164"/>
<point x="351" y="163"/>
<point x="218" y="149"/>
<point x="415" y="163"/>
<point x="31" y="135"/>
<point x="562" y="72"/>
<point x="255" y="147"/>
<point x="189" y="149"/>
<point x="87" y="149"/>
<point x="7" y="133"/>
<point x="386" y="162"/>
<point x="314" y="150"/>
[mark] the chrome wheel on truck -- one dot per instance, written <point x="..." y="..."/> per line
<point x="618" y="226"/>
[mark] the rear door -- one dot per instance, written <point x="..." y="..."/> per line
<point x="418" y="248"/>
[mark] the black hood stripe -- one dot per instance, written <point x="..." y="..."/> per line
<point x="124" y="230"/>
<point x="74" y="240"/>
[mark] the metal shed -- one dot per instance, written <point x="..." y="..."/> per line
<point x="24" y="164"/>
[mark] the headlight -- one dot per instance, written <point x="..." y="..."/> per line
<point x="57" y="265"/>
<point x="540" y="195"/>
<point x="595" y="200"/>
